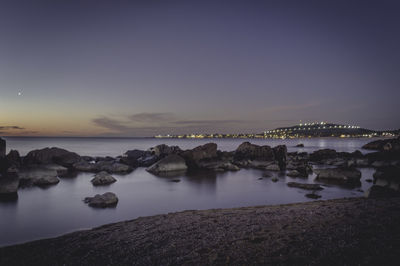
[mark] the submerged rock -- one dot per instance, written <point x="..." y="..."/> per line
<point x="105" y="200"/>
<point x="38" y="177"/>
<point x="350" y="176"/>
<point x="305" y="186"/>
<point x="103" y="178"/>
<point x="313" y="196"/>
<point x="170" y="163"/>
<point x="300" y="145"/>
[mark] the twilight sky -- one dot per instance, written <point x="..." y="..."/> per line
<point x="140" y="68"/>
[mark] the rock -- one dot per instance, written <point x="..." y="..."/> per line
<point x="248" y="151"/>
<point x="38" y="176"/>
<point x="103" y="178"/>
<point x="313" y="196"/>
<point x="388" y="145"/>
<point x="273" y="167"/>
<point x="293" y="173"/>
<point x="113" y="167"/>
<point x="280" y="153"/>
<point x="206" y="152"/>
<point x="369" y="180"/>
<point x="2" y="148"/>
<point x="218" y="165"/>
<point x="8" y="185"/>
<point x="258" y="164"/>
<point x="52" y="155"/>
<point x="350" y="176"/>
<point x="381" y="192"/>
<point x="323" y="154"/>
<point x="305" y="186"/>
<point x="14" y="159"/>
<point x="388" y="176"/>
<point x="107" y="199"/>
<point x="378" y="164"/>
<point x="300" y="145"/>
<point x="362" y="162"/>
<point x="274" y="179"/>
<point x="148" y="160"/>
<point x="61" y="170"/>
<point x="170" y="163"/>
<point x="164" y="150"/>
<point x="175" y="180"/>
<point x="85" y="166"/>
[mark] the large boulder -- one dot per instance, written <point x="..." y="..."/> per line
<point x="14" y="159"/>
<point x="345" y="176"/>
<point x="320" y="155"/>
<point x="280" y="153"/>
<point x="171" y="163"/>
<point x="103" y="178"/>
<point x="107" y="199"/>
<point x="206" y="152"/>
<point x="248" y="151"/>
<point x="3" y="160"/>
<point x="52" y="155"/>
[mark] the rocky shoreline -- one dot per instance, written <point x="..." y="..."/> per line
<point x="45" y="167"/>
<point x="355" y="231"/>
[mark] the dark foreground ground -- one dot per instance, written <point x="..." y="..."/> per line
<point x="333" y="232"/>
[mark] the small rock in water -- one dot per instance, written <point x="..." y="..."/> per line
<point x="176" y="180"/>
<point x="300" y="145"/>
<point x="108" y="199"/>
<point x="369" y="180"/>
<point x="274" y="179"/>
<point x="313" y="196"/>
<point x="103" y="178"/>
<point x="266" y="174"/>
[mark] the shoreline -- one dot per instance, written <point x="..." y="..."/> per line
<point x="341" y="231"/>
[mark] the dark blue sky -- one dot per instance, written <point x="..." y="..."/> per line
<point x="139" y="68"/>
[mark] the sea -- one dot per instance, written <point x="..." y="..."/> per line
<point x="53" y="211"/>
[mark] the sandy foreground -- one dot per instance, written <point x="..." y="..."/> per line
<point x="333" y="232"/>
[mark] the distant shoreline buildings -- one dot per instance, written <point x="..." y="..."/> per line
<point x="302" y="130"/>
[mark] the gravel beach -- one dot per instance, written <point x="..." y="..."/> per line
<point x="354" y="231"/>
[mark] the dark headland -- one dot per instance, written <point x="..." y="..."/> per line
<point x="355" y="231"/>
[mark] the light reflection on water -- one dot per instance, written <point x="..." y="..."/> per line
<point x="41" y="213"/>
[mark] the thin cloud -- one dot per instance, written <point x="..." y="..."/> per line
<point x="11" y="128"/>
<point x="207" y="122"/>
<point x="152" y="117"/>
<point x="111" y="124"/>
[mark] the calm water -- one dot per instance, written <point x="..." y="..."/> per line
<point x="41" y="213"/>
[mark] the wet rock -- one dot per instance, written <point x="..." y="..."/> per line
<point x="350" y="176"/>
<point x="313" y="196"/>
<point x="274" y="179"/>
<point x="175" y="180"/>
<point x="103" y="178"/>
<point x="171" y="163"/>
<point x="218" y="165"/>
<point x="113" y="167"/>
<point x="248" y="151"/>
<point x="205" y="152"/>
<point x="38" y="176"/>
<point x="164" y="150"/>
<point x="85" y="166"/>
<point x="300" y="145"/>
<point x="280" y="154"/>
<point x="51" y="155"/>
<point x="258" y="164"/>
<point x="305" y="186"/>
<point x="14" y="159"/>
<point x="388" y="177"/>
<point x="323" y="154"/>
<point x="105" y="200"/>
<point x="388" y="145"/>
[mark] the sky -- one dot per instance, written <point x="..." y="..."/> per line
<point x="142" y="68"/>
